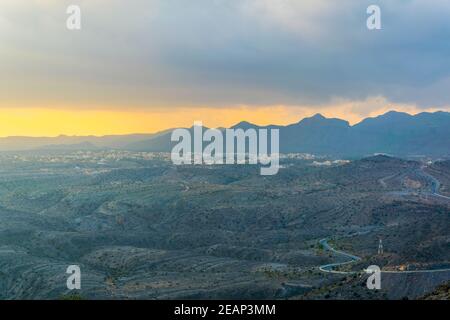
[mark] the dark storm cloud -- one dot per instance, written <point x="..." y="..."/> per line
<point x="218" y="53"/>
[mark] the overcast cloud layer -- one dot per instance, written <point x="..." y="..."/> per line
<point x="153" y="53"/>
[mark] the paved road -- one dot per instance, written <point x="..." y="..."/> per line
<point x="435" y="184"/>
<point x="329" y="268"/>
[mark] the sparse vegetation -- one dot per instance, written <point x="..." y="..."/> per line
<point x="141" y="228"/>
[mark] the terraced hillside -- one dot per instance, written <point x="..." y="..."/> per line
<point x="140" y="228"/>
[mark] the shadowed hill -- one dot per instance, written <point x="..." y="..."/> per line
<point x="393" y="133"/>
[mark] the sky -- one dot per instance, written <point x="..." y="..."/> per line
<point x="147" y="65"/>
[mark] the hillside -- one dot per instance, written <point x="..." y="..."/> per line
<point x="400" y="134"/>
<point x="394" y="133"/>
<point x="141" y="228"/>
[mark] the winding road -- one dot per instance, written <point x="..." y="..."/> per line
<point x="435" y="184"/>
<point x="330" y="268"/>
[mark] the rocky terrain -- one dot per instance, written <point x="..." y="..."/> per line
<point x="441" y="293"/>
<point x="140" y="228"/>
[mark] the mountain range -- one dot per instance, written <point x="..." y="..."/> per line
<point x="395" y="133"/>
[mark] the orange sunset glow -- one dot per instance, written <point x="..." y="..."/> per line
<point x="53" y="122"/>
<point x="157" y="69"/>
<point x="80" y="121"/>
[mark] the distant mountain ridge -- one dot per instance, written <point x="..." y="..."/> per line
<point x="395" y="133"/>
<point x="21" y="143"/>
